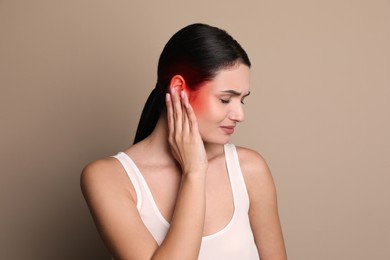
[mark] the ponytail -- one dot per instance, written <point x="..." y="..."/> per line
<point x="150" y="113"/>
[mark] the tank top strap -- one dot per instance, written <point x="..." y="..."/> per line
<point x="146" y="204"/>
<point x="133" y="174"/>
<point x="236" y="177"/>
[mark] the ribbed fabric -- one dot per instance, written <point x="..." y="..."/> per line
<point x="234" y="241"/>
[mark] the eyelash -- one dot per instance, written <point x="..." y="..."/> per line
<point x="224" y="101"/>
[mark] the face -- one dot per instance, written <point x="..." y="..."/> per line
<point x="218" y="104"/>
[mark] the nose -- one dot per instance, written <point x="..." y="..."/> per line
<point x="237" y="113"/>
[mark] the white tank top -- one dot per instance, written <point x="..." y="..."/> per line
<point x="234" y="241"/>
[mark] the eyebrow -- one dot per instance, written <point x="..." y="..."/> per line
<point x="236" y="93"/>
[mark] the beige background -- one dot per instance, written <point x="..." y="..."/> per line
<point x="74" y="76"/>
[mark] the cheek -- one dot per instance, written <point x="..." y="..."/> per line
<point x="198" y="104"/>
<point x="206" y="108"/>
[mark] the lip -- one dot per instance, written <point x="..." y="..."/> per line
<point x="228" y="129"/>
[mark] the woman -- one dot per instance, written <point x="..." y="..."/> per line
<point x="181" y="191"/>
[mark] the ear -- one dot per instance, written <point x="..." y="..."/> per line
<point x="179" y="83"/>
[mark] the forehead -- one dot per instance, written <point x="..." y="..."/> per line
<point x="235" y="78"/>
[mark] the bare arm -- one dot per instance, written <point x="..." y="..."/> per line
<point x="115" y="212"/>
<point x="263" y="212"/>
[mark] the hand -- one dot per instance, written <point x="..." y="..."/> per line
<point x="184" y="139"/>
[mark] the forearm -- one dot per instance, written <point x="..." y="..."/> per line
<point x="185" y="233"/>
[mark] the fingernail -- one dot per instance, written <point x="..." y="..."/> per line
<point x="173" y="90"/>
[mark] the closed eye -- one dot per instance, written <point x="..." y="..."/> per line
<point x="234" y="93"/>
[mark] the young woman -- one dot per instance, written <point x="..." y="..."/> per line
<point x="182" y="191"/>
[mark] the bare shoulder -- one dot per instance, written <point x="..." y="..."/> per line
<point x="251" y="162"/>
<point x="111" y="199"/>
<point x="103" y="175"/>
<point x="263" y="209"/>
<point x="99" y="170"/>
<point x="257" y="175"/>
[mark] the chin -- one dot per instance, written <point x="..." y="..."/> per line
<point x="219" y="140"/>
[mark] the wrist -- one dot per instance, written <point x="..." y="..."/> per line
<point x="194" y="174"/>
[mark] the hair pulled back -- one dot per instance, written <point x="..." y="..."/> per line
<point x="197" y="53"/>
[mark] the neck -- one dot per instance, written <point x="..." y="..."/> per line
<point x="157" y="141"/>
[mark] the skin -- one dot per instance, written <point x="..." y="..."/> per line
<point x="219" y="104"/>
<point x="187" y="176"/>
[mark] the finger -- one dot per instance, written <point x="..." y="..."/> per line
<point x="168" y="101"/>
<point x="171" y="125"/>
<point x="186" y="122"/>
<point x="193" y="122"/>
<point x="177" y="112"/>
